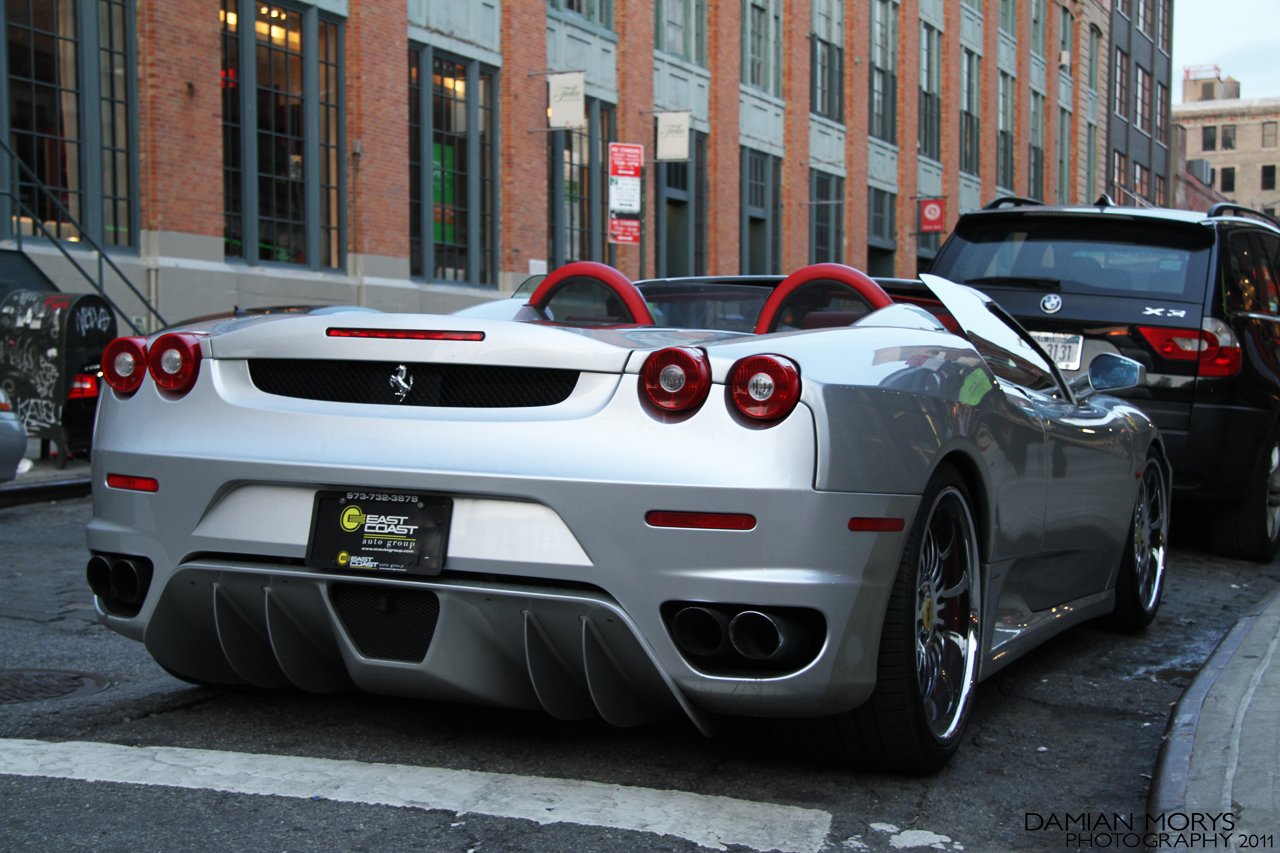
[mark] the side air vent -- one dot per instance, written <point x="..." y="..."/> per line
<point x="387" y="623"/>
<point x="472" y="386"/>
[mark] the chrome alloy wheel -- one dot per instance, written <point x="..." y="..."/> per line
<point x="947" y="613"/>
<point x="1273" y="493"/>
<point x="1151" y="529"/>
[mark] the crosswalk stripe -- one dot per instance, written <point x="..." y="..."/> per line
<point x="709" y="821"/>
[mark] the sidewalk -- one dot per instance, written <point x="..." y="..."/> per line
<point x="44" y="480"/>
<point x="1222" y="750"/>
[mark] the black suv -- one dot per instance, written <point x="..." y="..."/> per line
<point x="1195" y="297"/>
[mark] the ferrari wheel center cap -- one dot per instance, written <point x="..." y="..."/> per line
<point x="927" y="613"/>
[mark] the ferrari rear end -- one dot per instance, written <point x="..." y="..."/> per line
<point x="512" y="514"/>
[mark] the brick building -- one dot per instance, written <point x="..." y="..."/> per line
<point x="396" y="154"/>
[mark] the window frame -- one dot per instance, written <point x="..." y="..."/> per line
<point x="1227" y="138"/>
<point x="695" y="196"/>
<point x="970" y="112"/>
<point x="1268" y="178"/>
<point x="597" y="200"/>
<point x="1227" y="174"/>
<point x="929" y="120"/>
<point x="482" y="270"/>
<point x="599" y="13"/>
<point x="1143" y="92"/>
<point x="1121" y="72"/>
<point x="694" y="46"/>
<point x="770" y="212"/>
<point x="769" y="78"/>
<point x="1037" y="120"/>
<point x="882" y="106"/>
<point x="1006" y="130"/>
<point x="1208" y="137"/>
<point x="248" y="132"/>
<point x="1272" y="126"/>
<point x="826" y="194"/>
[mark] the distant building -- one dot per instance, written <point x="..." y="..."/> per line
<point x="1235" y="139"/>
<point x="1141" y="45"/>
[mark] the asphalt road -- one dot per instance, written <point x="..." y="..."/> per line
<point x="1075" y="726"/>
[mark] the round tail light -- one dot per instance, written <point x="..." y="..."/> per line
<point x="175" y="362"/>
<point x="676" y="379"/>
<point x="765" y="387"/>
<point x="124" y="362"/>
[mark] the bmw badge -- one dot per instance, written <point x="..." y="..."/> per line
<point x="1051" y="303"/>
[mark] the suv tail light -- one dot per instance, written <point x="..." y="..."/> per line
<point x="124" y="362"/>
<point x="676" y="379"/>
<point x="765" y="387"/>
<point x="1213" y="346"/>
<point x="175" y="362"/>
<point x="84" y="386"/>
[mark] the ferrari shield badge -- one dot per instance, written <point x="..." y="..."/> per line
<point x="401" y="383"/>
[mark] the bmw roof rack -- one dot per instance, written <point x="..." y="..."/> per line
<point x="1224" y="208"/>
<point x="1011" y="200"/>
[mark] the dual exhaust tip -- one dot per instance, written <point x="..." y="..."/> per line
<point x="763" y="637"/>
<point x="121" y="582"/>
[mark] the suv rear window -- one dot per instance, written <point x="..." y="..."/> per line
<point x="1109" y="255"/>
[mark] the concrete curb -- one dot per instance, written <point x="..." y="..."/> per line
<point x="1173" y="764"/>
<point x="14" y="494"/>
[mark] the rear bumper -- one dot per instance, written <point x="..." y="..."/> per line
<point x="1215" y="457"/>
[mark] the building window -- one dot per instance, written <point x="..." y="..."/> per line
<point x="1035" y="148"/>
<point x="882" y="231"/>
<point x="970" y="110"/>
<point x="578" y="158"/>
<point x="1120" y="170"/>
<point x="1142" y="181"/>
<point x="1095" y="56"/>
<point x="1122" y="83"/>
<point x="1269" y="177"/>
<point x="1037" y="27"/>
<point x="762" y="45"/>
<point x="1091" y="163"/>
<point x="826" y="60"/>
<point x="1004" y="131"/>
<point x="1066" y="36"/>
<point x="1009" y="17"/>
<point x="1268" y="134"/>
<point x="1123" y="6"/>
<point x="1209" y="138"/>
<point x="1166" y="26"/>
<point x="1162" y="192"/>
<point x="1228" y="174"/>
<point x="761" y="189"/>
<point x="451" y="168"/>
<point x="682" y="29"/>
<point x="1228" y="137"/>
<point x="1064" y="157"/>
<point x="1146" y="17"/>
<point x="1143" y="79"/>
<point x="80" y="149"/>
<point x="282" y="163"/>
<point x="682" y="212"/>
<point x="884" y="70"/>
<point x="930" y="119"/>
<point x="1162" y="113"/>
<point x="826" y="216"/>
<point x="598" y="12"/>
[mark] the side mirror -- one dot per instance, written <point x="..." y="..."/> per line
<point x="1109" y="372"/>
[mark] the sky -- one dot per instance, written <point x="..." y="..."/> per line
<point x="1242" y="37"/>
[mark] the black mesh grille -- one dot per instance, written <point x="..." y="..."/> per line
<point x="451" y="385"/>
<point x="387" y="623"/>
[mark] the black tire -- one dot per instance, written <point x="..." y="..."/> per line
<point x="917" y="713"/>
<point x="1140" y="583"/>
<point x="1250" y="528"/>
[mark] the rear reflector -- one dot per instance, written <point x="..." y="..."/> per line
<point x="133" y="484"/>
<point x="701" y="520"/>
<point x="877" y="525"/>
<point x="407" y="334"/>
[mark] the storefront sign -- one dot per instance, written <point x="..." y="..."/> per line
<point x="567" y="96"/>
<point x="673" y="136"/>
<point x="933" y="215"/>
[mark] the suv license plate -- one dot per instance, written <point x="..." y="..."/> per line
<point x="1063" y="349"/>
<point x="379" y="531"/>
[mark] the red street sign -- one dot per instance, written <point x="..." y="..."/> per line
<point x="625" y="160"/>
<point x="933" y="215"/>
<point x="626" y="231"/>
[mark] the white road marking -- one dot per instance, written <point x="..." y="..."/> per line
<point x="709" y="821"/>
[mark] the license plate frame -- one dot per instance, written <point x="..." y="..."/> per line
<point x="376" y="530"/>
<point x="1064" y="348"/>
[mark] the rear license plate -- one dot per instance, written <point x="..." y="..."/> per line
<point x="1063" y="349"/>
<point x="379" y="531"/>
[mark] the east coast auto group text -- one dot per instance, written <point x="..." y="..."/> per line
<point x="1188" y="830"/>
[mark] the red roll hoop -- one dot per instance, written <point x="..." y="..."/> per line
<point x="606" y="275"/>
<point x="858" y="281"/>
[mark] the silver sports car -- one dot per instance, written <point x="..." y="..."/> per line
<point x="824" y="497"/>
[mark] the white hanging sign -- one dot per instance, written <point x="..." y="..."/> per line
<point x="567" y="96"/>
<point x="673" y="136"/>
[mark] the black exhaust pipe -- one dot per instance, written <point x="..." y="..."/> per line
<point x="130" y="580"/>
<point x="702" y="631"/>
<point x="98" y="573"/>
<point x="767" y="637"/>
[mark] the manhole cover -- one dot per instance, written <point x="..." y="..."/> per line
<point x="32" y="685"/>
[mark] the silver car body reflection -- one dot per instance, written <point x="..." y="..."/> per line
<point x="554" y="583"/>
